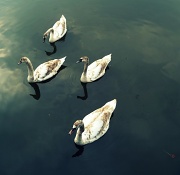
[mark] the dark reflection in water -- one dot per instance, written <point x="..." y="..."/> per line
<point x="37" y="94"/>
<point x="84" y="85"/>
<point x="35" y="86"/>
<point x="79" y="152"/>
<point x="61" y="68"/>
<point x="54" y="46"/>
<point x="85" y="92"/>
<point x="54" y="49"/>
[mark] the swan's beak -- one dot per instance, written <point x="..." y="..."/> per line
<point x="19" y="62"/>
<point x="80" y="60"/>
<point x="71" y="131"/>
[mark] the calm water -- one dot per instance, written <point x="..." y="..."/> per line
<point x="143" y="37"/>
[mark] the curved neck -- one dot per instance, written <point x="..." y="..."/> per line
<point x="48" y="31"/>
<point x="80" y="130"/>
<point x="51" y="37"/>
<point x="30" y="69"/>
<point x="85" y="66"/>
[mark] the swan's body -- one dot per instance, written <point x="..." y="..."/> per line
<point x="44" y="71"/>
<point x="95" y="70"/>
<point x="58" y="30"/>
<point x="94" y="125"/>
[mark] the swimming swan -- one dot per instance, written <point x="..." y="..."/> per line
<point x="95" y="70"/>
<point x="58" y="30"/>
<point x="94" y="125"/>
<point x="44" y="71"/>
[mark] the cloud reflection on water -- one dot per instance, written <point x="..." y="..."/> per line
<point x="11" y="86"/>
<point x="172" y="70"/>
<point x="5" y="47"/>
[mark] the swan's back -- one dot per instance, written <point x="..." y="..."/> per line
<point x="97" y="68"/>
<point x="63" y="20"/>
<point x="108" y="107"/>
<point x="97" y="123"/>
<point x="64" y="25"/>
<point x="48" y="69"/>
<point x="104" y="61"/>
<point x="59" y="28"/>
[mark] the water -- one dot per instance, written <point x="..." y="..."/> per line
<point x="143" y="37"/>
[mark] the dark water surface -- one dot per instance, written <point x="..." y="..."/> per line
<point x="144" y="75"/>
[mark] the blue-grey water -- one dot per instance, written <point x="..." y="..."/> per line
<point x="144" y="75"/>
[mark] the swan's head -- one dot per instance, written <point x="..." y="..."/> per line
<point x="76" y="125"/>
<point x="23" y="60"/>
<point x="83" y="59"/>
<point x="44" y="37"/>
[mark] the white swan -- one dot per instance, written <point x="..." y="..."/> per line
<point x="44" y="71"/>
<point x="94" y="125"/>
<point x="58" y="30"/>
<point x="95" y="70"/>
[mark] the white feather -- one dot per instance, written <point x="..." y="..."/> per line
<point x="58" y="30"/>
<point x="95" y="70"/>
<point x="94" y="125"/>
<point x="44" y="71"/>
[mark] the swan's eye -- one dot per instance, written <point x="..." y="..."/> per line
<point x="84" y="59"/>
<point x="22" y="60"/>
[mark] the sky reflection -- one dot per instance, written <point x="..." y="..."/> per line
<point x="11" y="86"/>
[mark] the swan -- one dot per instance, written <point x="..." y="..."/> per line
<point x="56" y="32"/>
<point x="95" y="70"/>
<point x="94" y="125"/>
<point x="44" y="71"/>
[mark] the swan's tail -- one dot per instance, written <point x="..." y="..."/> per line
<point x="62" y="59"/>
<point x="111" y="105"/>
<point x="63" y="19"/>
<point x="107" y="58"/>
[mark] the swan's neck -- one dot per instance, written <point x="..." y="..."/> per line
<point x="30" y="70"/>
<point x="85" y="67"/>
<point x="51" y="37"/>
<point x="80" y="130"/>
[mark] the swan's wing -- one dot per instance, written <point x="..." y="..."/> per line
<point x="57" y="23"/>
<point x="92" y="116"/>
<point x="97" y="122"/>
<point x="94" y="64"/>
<point x="97" y="128"/>
<point x="103" y="61"/>
<point x="47" y="70"/>
<point x="96" y="69"/>
<point x="60" y="27"/>
<point x="109" y="107"/>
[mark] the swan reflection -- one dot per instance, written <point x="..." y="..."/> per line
<point x="54" y="46"/>
<point x="37" y="94"/>
<point x="85" y="92"/>
<point x="79" y="152"/>
<point x="35" y="86"/>
<point x="54" y="49"/>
